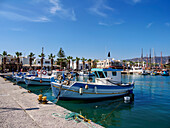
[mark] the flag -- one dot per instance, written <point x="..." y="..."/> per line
<point x="109" y="54"/>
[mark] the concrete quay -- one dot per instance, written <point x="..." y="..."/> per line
<point x="20" y="109"/>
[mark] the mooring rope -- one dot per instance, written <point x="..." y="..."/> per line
<point x="111" y="112"/>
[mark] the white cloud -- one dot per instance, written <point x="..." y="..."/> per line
<point x="136" y="1"/>
<point x="132" y="2"/>
<point x="100" y="7"/>
<point x="149" y="25"/>
<point x="119" y="22"/>
<point x="57" y="9"/>
<point x="167" y="24"/>
<point x="111" y="24"/>
<point x="56" y="6"/>
<point x="19" y="17"/>
<point x="17" y="29"/>
<point x="103" y="24"/>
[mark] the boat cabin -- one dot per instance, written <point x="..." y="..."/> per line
<point x="56" y="73"/>
<point x="107" y="76"/>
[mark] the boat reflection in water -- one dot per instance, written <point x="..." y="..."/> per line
<point x="106" y="112"/>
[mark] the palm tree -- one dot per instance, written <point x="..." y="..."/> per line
<point x="89" y="63"/>
<point x="42" y="55"/>
<point x="31" y="55"/>
<point x="18" y="54"/>
<point x="73" y="63"/>
<point x="69" y="58"/>
<point x="77" y="63"/>
<point x="4" y="54"/>
<point x="95" y="63"/>
<point x="51" y="56"/>
<point x="83" y="60"/>
<point x="60" y="60"/>
<point x="124" y="61"/>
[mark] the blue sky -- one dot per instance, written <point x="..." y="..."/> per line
<point x="85" y="28"/>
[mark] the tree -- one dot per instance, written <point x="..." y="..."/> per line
<point x="73" y="63"/>
<point x="18" y="54"/>
<point x="4" y="54"/>
<point x="124" y="61"/>
<point x="69" y="58"/>
<point x="61" y="53"/>
<point x="31" y="55"/>
<point x="77" y="63"/>
<point x="60" y="60"/>
<point x="42" y="55"/>
<point x="51" y="56"/>
<point x="95" y="63"/>
<point x="89" y="63"/>
<point x="83" y="60"/>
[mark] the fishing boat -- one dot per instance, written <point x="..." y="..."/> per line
<point x="20" y="77"/>
<point x="43" y="78"/>
<point x="107" y="85"/>
<point x="85" y="73"/>
<point x="136" y="69"/>
<point x="144" y="72"/>
<point x="165" y="73"/>
<point x="154" y="73"/>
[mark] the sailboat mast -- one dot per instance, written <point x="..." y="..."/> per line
<point x="142" y="57"/>
<point x="161" y="59"/>
<point x="153" y="57"/>
<point x="150" y="59"/>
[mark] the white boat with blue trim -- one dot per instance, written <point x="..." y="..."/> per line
<point x="20" y="77"/>
<point x="43" y="79"/>
<point x="107" y="84"/>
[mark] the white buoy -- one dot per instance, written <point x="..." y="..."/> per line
<point x="127" y="98"/>
<point x="81" y="91"/>
<point x="95" y="89"/>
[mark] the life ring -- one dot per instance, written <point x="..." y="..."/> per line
<point x="59" y="77"/>
<point x="38" y="71"/>
<point x="44" y="72"/>
<point x="69" y="76"/>
<point x="33" y="72"/>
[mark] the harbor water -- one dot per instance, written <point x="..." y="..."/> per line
<point x="150" y="108"/>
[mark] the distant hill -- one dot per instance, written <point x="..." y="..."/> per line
<point x="165" y="59"/>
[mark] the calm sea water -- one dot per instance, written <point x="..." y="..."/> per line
<point x="150" y="108"/>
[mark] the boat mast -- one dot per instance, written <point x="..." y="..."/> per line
<point x="161" y="59"/>
<point x="150" y="59"/>
<point x="146" y="60"/>
<point x="142" y="57"/>
<point x="153" y="57"/>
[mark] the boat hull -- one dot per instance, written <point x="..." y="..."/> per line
<point x="36" y="81"/>
<point x="20" y="79"/>
<point x="93" y="91"/>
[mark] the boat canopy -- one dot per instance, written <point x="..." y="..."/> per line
<point x="106" y="69"/>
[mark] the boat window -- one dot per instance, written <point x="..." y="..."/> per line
<point x="105" y="74"/>
<point x="101" y="74"/>
<point x="113" y="73"/>
<point x="96" y="74"/>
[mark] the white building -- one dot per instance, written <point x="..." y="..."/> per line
<point x="80" y="67"/>
<point x="108" y="63"/>
<point x="46" y="62"/>
<point x="25" y="60"/>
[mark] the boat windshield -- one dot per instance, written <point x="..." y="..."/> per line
<point x="101" y="74"/>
